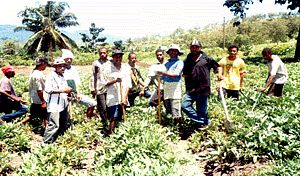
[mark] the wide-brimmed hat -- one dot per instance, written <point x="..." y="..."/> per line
<point x="59" y="61"/>
<point x="175" y="47"/>
<point x="7" y="69"/>
<point x="196" y="43"/>
<point x="41" y="60"/>
<point x="67" y="54"/>
<point x="117" y="51"/>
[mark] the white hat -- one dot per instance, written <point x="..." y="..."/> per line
<point x="67" y="54"/>
<point x="175" y="47"/>
<point x="59" y="61"/>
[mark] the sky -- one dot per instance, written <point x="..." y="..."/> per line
<point x="141" y="18"/>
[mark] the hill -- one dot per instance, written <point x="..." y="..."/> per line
<point x="7" y="33"/>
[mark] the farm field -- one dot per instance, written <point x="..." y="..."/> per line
<point x="262" y="141"/>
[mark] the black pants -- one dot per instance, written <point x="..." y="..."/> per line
<point x="276" y="89"/>
<point x="101" y="105"/>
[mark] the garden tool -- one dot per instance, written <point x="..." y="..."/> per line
<point x="259" y="95"/>
<point x="123" y="108"/>
<point x="227" y="122"/>
<point x="246" y="96"/>
<point x="158" y="97"/>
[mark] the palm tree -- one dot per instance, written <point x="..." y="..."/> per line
<point x="43" y="21"/>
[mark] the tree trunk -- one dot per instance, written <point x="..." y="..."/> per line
<point x="297" y="52"/>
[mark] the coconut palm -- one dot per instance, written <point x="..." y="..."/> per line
<point x="43" y="21"/>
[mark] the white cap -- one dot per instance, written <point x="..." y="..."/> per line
<point x="67" y="54"/>
<point x="59" y="61"/>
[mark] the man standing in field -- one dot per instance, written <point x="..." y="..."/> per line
<point x="152" y="77"/>
<point x="233" y="69"/>
<point x="116" y="78"/>
<point x="8" y="99"/>
<point x="196" y="72"/>
<point x="73" y="80"/>
<point x="38" y="108"/>
<point x="138" y="85"/>
<point x="278" y="74"/>
<point x="98" y="90"/>
<point x="172" y="82"/>
<point x="57" y="104"/>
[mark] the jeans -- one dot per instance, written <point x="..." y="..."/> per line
<point x="199" y="115"/>
<point x="58" y="124"/>
<point x="20" y="110"/>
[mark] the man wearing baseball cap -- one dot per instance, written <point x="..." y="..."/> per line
<point x="38" y="107"/>
<point x="196" y="72"/>
<point x="8" y="99"/>
<point x="57" y="104"/>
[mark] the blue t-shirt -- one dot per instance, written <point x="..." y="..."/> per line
<point x="174" y="66"/>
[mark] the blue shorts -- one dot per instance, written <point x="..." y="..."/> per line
<point x="114" y="111"/>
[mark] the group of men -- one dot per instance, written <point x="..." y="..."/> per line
<point x="115" y="86"/>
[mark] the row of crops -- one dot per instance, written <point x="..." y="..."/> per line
<point x="268" y="134"/>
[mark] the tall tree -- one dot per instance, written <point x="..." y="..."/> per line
<point x="119" y="45"/>
<point x="91" y="43"/>
<point x="239" y="7"/>
<point x="44" y="22"/>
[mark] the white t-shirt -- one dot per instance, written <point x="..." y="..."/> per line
<point x="72" y="74"/>
<point x="36" y="83"/>
<point x="278" y="69"/>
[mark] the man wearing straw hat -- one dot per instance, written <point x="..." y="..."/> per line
<point x="172" y="82"/>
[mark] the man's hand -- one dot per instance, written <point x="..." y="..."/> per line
<point x="263" y="90"/>
<point x="67" y="90"/>
<point x="44" y="105"/>
<point x="78" y="98"/>
<point x="22" y="101"/>
<point x="220" y="77"/>
<point x="118" y="80"/>
<point x="93" y="93"/>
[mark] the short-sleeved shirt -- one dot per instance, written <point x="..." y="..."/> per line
<point x="36" y="83"/>
<point x="110" y="73"/>
<point x="231" y="72"/>
<point x="172" y="85"/>
<point x="7" y="86"/>
<point x="95" y="85"/>
<point x="56" y="102"/>
<point x="197" y="74"/>
<point x="278" y="69"/>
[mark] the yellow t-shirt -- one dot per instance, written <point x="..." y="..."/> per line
<point x="231" y="72"/>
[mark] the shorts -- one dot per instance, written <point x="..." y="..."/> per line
<point x="37" y="112"/>
<point x="115" y="112"/>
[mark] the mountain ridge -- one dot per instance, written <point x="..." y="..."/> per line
<point x="7" y="33"/>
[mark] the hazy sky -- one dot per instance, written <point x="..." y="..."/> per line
<point x="138" y="18"/>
